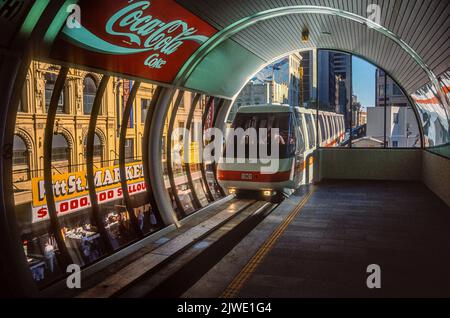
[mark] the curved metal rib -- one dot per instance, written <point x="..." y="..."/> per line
<point x="90" y="161"/>
<point x="216" y="113"/>
<point x="48" y="185"/>
<point x="169" y="153"/>
<point x="202" y="164"/>
<point x="122" y="169"/>
<point x="145" y="156"/>
<point x="187" y="166"/>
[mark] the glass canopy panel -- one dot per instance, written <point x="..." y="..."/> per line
<point x="433" y="116"/>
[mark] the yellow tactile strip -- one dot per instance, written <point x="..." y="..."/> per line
<point x="238" y="282"/>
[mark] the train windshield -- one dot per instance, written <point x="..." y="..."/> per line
<point x="282" y="121"/>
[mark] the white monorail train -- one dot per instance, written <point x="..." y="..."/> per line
<point x="298" y="131"/>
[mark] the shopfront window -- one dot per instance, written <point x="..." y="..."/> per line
<point x="196" y="153"/>
<point x="181" y="195"/>
<point x="80" y="228"/>
<point x="114" y="215"/>
<point x="141" y="200"/>
<point x="42" y="252"/>
<point x="209" y="165"/>
<point x="88" y="230"/>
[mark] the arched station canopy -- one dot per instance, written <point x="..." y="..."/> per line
<point x="405" y="39"/>
<point x="214" y="47"/>
<point x="209" y="47"/>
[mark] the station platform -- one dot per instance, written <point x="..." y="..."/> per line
<point x="128" y="127"/>
<point x="317" y="243"/>
<point x="325" y="247"/>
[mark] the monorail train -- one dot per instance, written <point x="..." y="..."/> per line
<point x="297" y="140"/>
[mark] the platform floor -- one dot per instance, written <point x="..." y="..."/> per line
<point x="345" y="226"/>
<point x="325" y="250"/>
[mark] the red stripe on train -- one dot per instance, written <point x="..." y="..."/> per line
<point x="334" y="141"/>
<point x="252" y="176"/>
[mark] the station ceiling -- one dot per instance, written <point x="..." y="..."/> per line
<point x="420" y="24"/>
<point x="233" y="39"/>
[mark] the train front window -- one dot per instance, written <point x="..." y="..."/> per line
<point x="270" y="121"/>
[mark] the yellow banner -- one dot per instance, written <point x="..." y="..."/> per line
<point x="74" y="184"/>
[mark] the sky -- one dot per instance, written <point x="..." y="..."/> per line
<point x="363" y="79"/>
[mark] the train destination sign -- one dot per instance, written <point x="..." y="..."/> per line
<point x="146" y="39"/>
<point x="71" y="190"/>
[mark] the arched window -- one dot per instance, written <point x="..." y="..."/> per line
<point x="98" y="149"/>
<point x="50" y="80"/>
<point x="89" y="90"/>
<point x="23" y="103"/>
<point x="21" y="164"/>
<point x="60" y="153"/>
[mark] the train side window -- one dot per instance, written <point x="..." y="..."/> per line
<point x="322" y="135"/>
<point x="301" y="135"/>
<point x="319" y="131"/>
<point x="291" y="136"/>
<point x="333" y="130"/>
<point x="310" y="130"/>
<point x="315" y="130"/>
<point x="338" y="119"/>
<point x="338" y="125"/>
<point x="296" y="113"/>
<point x="326" y="127"/>
<point x="330" y="127"/>
<point x="333" y="126"/>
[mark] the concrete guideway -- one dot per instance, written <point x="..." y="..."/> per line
<point x="158" y="262"/>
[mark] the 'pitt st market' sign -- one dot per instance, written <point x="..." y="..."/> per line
<point x="147" y="39"/>
<point x="71" y="190"/>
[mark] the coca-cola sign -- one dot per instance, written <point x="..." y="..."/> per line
<point x="147" y="39"/>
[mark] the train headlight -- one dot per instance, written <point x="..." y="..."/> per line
<point x="232" y="190"/>
<point x="267" y="193"/>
